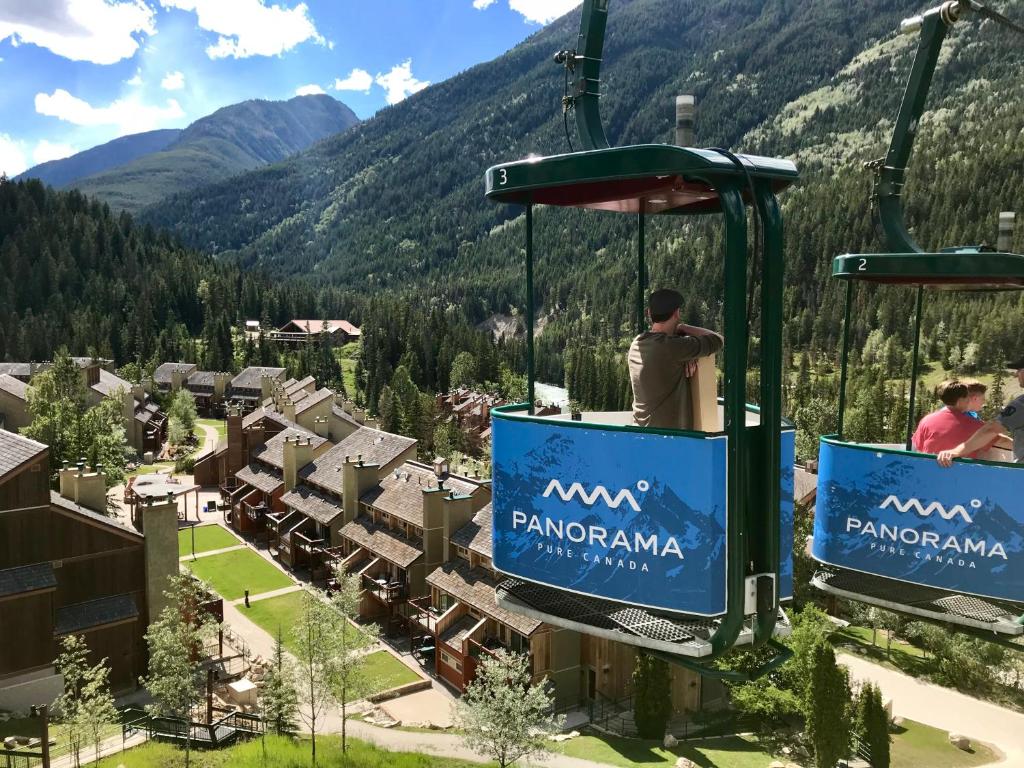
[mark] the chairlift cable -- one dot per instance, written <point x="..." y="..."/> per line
<point x="995" y="16"/>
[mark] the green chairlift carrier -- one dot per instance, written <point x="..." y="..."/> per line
<point x="699" y="556"/>
<point x="892" y="528"/>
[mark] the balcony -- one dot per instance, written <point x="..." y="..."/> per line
<point x="387" y="592"/>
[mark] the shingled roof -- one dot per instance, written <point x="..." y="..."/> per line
<point x="272" y="451"/>
<point x="476" y="534"/>
<point x="164" y="372"/>
<point x="110" y="383"/>
<point x="265" y="413"/>
<point x="475" y="587"/>
<point x="13" y="386"/>
<point x="252" y="377"/>
<point x="313" y="505"/>
<point x="15" y="451"/>
<point x="312" y="399"/>
<point x="381" y="542"/>
<point x="400" y="493"/>
<point x="95" y="613"/>
<point x="16" y="369"/>
<point x="27" y="578"/>
<point x="261" y="477"/>
<point x="374" y="446"/>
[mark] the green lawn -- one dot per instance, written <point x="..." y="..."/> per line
<point x="231" y="573"/>
<point x="32" y="727"/>
<point x="904" y="656"/>
<point x="728" y="752"/>
<point x="282" y="612"/>
<point x="384" y="672"/>
<point x="280" y="753"/>
<point x="208" y="537"/>
<point x="149" y="469"/>
<point x="921" y="745"/>
<point x="346" y="357"/>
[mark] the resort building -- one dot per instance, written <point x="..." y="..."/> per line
<point x="65" y="567"/>
<point x="295" y="332"/>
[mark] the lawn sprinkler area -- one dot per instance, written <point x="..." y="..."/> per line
<point x="207" y="538"/>
<point x="230" y="574"/>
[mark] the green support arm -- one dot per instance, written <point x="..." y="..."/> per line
<point x="586" y="62"/>
<point x="891" y="170"/>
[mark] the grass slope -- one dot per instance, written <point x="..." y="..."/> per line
<point x="729" y="752"/>
<point x="280" y="753"/>
<point x="231" y="573"/>
<point x="921" y="745"/>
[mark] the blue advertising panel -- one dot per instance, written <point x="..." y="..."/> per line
<point x="902" y="516"/>
<point x="634" y="517"/>
<point x="786" y="515"/>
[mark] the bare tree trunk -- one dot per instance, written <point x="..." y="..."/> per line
<point x="344" y="699"/>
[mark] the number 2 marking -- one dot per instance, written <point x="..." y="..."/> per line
<point x="504" y="177"/>
<point x="863" y="265"/>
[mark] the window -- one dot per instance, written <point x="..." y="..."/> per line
<point x="474" y="613"/>
<point x="451" y="661"/>
<point x="462" y="552"/>
<point x="417" y="531"/>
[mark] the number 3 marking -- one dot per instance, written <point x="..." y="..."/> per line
<point x="504" y="177"/>
<point x="863" y="265"/>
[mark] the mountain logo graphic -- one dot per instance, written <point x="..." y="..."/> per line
<point x="599" y="493"/>
<point x="915" y="505"/>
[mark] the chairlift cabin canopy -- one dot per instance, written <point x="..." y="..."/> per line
<point x="892" y="528"/>
<point x="664" y="539"/>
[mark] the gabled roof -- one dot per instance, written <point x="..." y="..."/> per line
<point x="27" y="578"/>
<point x="201" y="379"/>
<point x="293" y="386"/>
<point x="265" y="413"/>
<point x="261" y="477"/>
<point x="163" y="372"/>
<point x="381" y="542"/>
<point x="313" y="504"/>
<point x="110" y="383"/>
<point x="805" y="484"/>
<point x="476" y="534"/>
<point x="13" y="386"/>
<point x="475" y="587"/>
<point x="97" y="518"/>
<point x="400" y="493"/>
<point x="15" y="451"/>
<point x="317" y="326"/>
<point x="312" y="400"/>
<point x="272" y="451"/>
<point x="338" y="411"/>
<point x="252" y="377"/>
<point x="95" y="613"/>
<point x="16" y="369"/>
<point x="374" y="446"/>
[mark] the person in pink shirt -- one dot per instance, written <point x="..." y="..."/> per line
<point x="952" y="424"/>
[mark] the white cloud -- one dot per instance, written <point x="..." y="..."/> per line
<point x="249" y="27"/>
<point x="12" y="156"/>
<point x="357" y="80"/>
<point x="130" y="115"/>
<point x="173" y="81"/>
<point x="309" y="90"/>
<point x="481" y="4"/>
<point x="542" y="11"/>
<point x="46" y="151"/>
<point x="399" y="82"/>
<point x="136" y="78"/>
<point x="100" y="31"/>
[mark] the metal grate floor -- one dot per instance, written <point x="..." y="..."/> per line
<point x="927" y="602"/>
<point x="679" y="634"/>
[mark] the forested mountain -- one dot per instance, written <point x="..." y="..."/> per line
<point x="60" y="173"/>
<point x="232" y="140"/>
<point x="397" y="202"/>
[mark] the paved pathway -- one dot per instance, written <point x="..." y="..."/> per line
<point x="945" y="708"/>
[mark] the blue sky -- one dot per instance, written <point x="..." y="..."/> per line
<point x="77" y="73"/>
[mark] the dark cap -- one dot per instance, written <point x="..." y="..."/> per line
<point x="1017" y="363"/>
<point x="664" y="301"/>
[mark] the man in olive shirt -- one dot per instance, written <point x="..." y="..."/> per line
<point x="661" y="362"/>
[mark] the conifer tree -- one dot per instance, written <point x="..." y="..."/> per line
<point x="279" y="699"/>
<point x="652" y="701"/>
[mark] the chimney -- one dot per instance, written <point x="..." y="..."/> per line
<point x="456" y="511"/>
<point x="321" y="426"/>
<point x="266" y="387"/>
<point x="685" y="113"/>
<point x="359" y="415"/>
<point x="86" y="488"/>
<point x="65" y="481"/>
<point x="298" y="452"/>
<point x="128" y="408"/>
<point x="1007" y="221"/>
<point x="177" y="379"/>
<point x="371" y="423"/>
<point x="220" y="385"/>
<point x="160" y="534"/>
<point x="347" y="406"/>
<point x="434" y="545"/>
<point x="139" y="393"/>
<point x="236" y="453"/>
<point x="288" y="410"/>
<point x="357" y="478"/>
